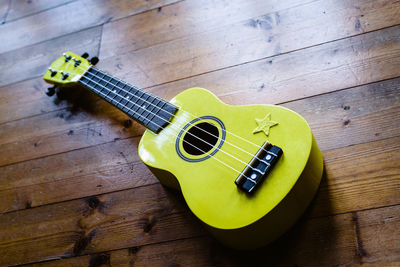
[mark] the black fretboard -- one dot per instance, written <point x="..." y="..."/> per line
<point x="145" y="108"/>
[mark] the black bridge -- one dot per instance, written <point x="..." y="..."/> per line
<point x="259" y="167"/>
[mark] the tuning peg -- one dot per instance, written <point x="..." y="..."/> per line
<point x="52" y="72"/>
<point x="77" y="63"/>
<point x="67" y="57"/>
<point x="64" y="75"/>
<point x="50" y="91"/>
<point x="85" y="55"/>
<point x="94" y="60"/>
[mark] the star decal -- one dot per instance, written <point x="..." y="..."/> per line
<point x="264" y="124"/>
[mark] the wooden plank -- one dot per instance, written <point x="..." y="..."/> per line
<point x="35" y="60"/>
<point x="315" y="242"/>
<point x="280" y="29"/>
<point x="82" y="226"/>
<point x="64" y="130"/>
<point x="70" y="164"/>
<point x="69" y="18"/>
<point x="186" y="18"/>
<point x="357" y="60"/>
<point x="352" y="116"/>
<point x="26" y="99"/>
<point x="379" y="235"/>
<point x="337" y="119"/>
<point x="20" y="9"/>
<point x="374" y="182"/>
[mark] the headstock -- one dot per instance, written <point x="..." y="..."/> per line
<point x="67" y="70"/>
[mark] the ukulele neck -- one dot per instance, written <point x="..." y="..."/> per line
<point x="152" y="112"/>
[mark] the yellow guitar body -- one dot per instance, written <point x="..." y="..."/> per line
<point x="207" y="180"/>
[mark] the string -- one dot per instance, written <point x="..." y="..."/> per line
<point x="111" y="99"/>
<point x="121" y="89"/>
<point x="173" y="115"/>
<point x="124" y="105"/>
<point x="195" y="126"/>
<point x="183" y="111"/>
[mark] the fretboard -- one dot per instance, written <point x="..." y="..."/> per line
<point x="147" y="109"/>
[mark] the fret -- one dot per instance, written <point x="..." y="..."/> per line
<point x="151" y="111"/>
<point x="155" y="113"/>
<point x="152" y="108"/>
<point x="109" y="86"/>
<point x="132" y="103"/>
<point x="100" y="80"/>
<point x="149" y="107"/>
<point x="95" y="81"/>
<point x="139" y="101"/>
<point x="133" y="97"/>
<point x="123" y="94"/>
<point x="143" y="107"/>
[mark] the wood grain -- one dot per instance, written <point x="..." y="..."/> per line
<point x="69" y="18"/>
<point x="300" y="74"/>
<point x="36" y="59"/>
<point x="285" y="28"/>
<point x="377" y="233"/>
<point x="280" y="31"/>
<point x="19" y="9"/>
<point x="304" y="245"/>
<point x="98" y="223"/>
<point x="26" y="99"/>
<point x="186" y="18"/>
<point x="375" y="180"/>
<point x="365" y="57"/>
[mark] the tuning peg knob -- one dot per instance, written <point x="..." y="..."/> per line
<point x="64" y="75"/>
<point x="68" y="58"/>
<point x="50" y="91"/>
<point x="94" y="60"/>
<point x="85" y="55"/>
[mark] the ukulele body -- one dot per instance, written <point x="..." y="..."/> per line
<point x="207" y="180"/>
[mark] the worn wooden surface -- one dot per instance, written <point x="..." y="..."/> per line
<point x="73" y="191"/>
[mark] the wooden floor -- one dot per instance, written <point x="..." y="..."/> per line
<point x="73" y="191"/>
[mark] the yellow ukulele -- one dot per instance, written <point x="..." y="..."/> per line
<point x="247" y="172"/>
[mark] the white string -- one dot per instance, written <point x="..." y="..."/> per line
<point x="121" y="89"/>
<point x="184" y="111"/>
<point x="124" y="105"/>
<point x="173" y="115"/>
<point x="111" y="99"/>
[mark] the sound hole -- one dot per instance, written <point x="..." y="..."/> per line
<point x="200" y="138"/>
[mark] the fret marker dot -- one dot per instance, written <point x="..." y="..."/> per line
<point x="253" y="176"/>
<point x="268" y="157"/>
<point x="127" y="97"/>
